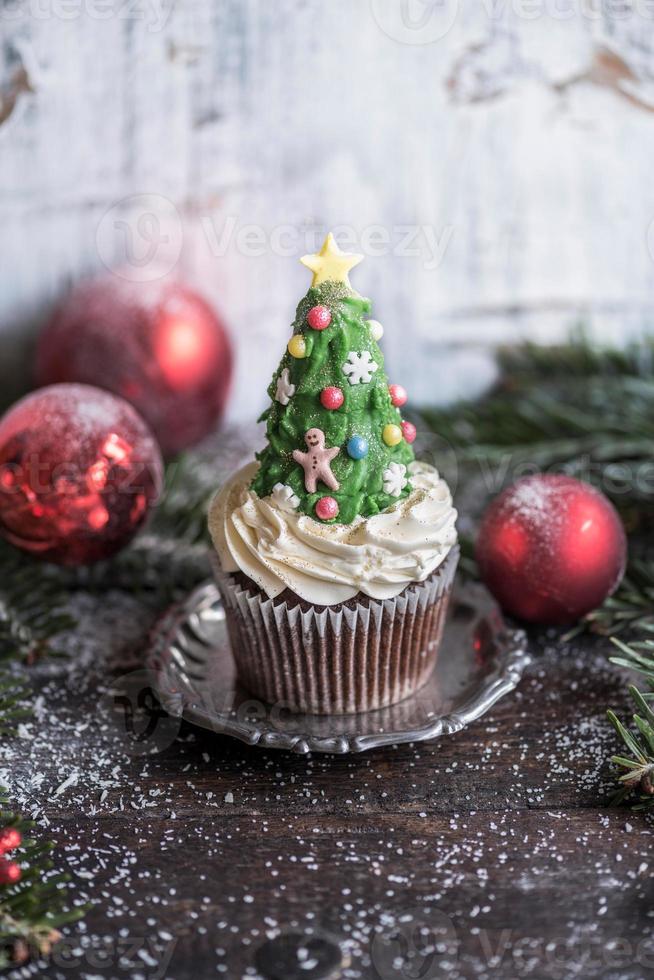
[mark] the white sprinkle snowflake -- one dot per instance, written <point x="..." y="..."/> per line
<point x="284" y="497"/>
<point x="395" y="479"/>
<point x="359" y="367"/>
<point x="285" y="390"/>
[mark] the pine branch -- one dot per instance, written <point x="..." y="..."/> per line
<point x="600" y="427"/>
<point x="33" y="909"/>
<point x="159" y="570"/>
<point x="631" y="607"/>
<point x="637" y="776"/>
<point x="182" y="512"/>
<point x="579" y="357"/>
<point x="32" y="602"/>
<point x="12" y="694"/>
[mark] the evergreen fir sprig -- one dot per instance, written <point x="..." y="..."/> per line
<point x="32" y="603"/>
<point x="578" y="357"/>
<point x="159" y="570"/>
<point x="637" y="768"/>
<point x="631" y="607"/>
<point x="579" y="408"/>
<point x="12" y="710"/>
<point x="33" y="909"/>
<point x="181" y="514"/>
<point x="599" y="428"/>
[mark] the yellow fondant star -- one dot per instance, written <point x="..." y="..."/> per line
<point x="330" y="264"/>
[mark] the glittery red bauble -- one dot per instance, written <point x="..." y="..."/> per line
<point x="398" y="395"/>
<point x="331" y="398"/>
<point x="157" y="344"/>
<point x="79" y="469"/>
<point x="327" y="508"/>
<point x="10" y="872"/>
<point x="409" y="431"/>
<point x="319" y="317"/>
<point x="10" y="839"/>
<point x="551" y="548"/>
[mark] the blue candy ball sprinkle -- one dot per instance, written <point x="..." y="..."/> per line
<point x="357" y="447"/>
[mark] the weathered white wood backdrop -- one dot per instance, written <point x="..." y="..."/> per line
<point x="517" y="137"/>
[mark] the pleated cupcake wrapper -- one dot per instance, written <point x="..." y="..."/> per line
<point x="343" y="660"/>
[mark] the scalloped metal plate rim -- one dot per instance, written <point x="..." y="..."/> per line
<point x="181" y="645"/>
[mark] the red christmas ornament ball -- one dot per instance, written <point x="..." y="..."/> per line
<point x="398" y="395"/>
<point x="157" y="344"/>
<point x="409" y="431"/>
<point x="10" y="872"/>
<point x="327" y="508"/>
<point x="319" y="317"/>
<point x="79" y="471"/>
<point x="331" y="398"/>
<point x="551" y="549"/>
<point x="10" y="839"/>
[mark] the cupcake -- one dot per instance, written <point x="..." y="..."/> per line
<point x="335" y="549"/>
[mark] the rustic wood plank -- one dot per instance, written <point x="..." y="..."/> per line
<point x="498" y="835"/>
<point x="549" y="893"/>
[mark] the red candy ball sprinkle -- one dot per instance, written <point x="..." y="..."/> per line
<point x="551" y="549"/>
<point x="10" y="873"/>
<point x="331" y="398"/>
<point x="409" y="431"/>
<point x="398" y="395"/>
<point x="10" y="839"/>
<point x="319" y="317"/>
<point x="327" y="508"/>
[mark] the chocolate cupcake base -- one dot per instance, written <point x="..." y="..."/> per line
<point x="356" y="656"/>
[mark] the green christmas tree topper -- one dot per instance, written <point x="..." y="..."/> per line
<point x="337" y="445"/>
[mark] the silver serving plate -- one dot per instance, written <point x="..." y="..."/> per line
<point x="192" y="672"/>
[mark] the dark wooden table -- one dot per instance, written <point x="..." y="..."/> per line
<point x="497" y="840"/>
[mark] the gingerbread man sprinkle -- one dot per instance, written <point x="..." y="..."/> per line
<point x="317" y="462"/>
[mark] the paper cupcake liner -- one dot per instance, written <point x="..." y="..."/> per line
<point x="340" y="659"/>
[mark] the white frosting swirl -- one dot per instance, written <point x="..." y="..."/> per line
<point x="330" y="563"/>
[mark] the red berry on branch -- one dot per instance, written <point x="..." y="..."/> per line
<point x="398" y="395"/>
<point x="409" y="431"/>
<point x="10" y="872"/>
<point x="319" y="317"/>
<point x="551" y="548"/>
<point x="331" y="398"/>
<point x="327" y="508"/>
<point x="10" y="839"/>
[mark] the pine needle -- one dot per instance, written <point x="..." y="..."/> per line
<point x="32" y="606"/>
<point x="638" y="774"/>
<point x="34" y="909"/>
<point x="12" y="710"/>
